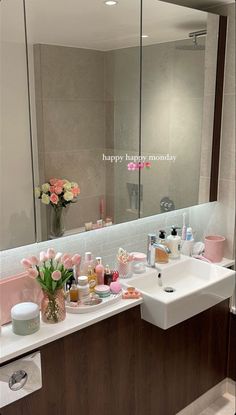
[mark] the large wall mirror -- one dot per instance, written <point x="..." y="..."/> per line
<point x="123" y="110"/>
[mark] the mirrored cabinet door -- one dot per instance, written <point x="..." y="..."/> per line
<point x="179" y="58"/>
<point x="84" y="60"/>
<point x="17" y="224"/>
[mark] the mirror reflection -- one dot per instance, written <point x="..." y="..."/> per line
<point x="87" y="95"/>
<point x="122" y="120"/>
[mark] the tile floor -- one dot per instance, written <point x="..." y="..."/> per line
<point x="225" y="405"/>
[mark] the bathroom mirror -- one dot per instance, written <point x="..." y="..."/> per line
<point x="128" y="115"/>
<point x="17" y="220"/>
<point x="130" y="112"/>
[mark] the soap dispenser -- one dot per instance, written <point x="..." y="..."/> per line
<point x="174" y="243"/>
<point x="161" y="249"/>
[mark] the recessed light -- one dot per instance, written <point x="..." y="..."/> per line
<point x="145" y="36"/>
<point x="111" y="2"/>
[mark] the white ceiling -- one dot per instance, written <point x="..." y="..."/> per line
<point x="91" y="24"/>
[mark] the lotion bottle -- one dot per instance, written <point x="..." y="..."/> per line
<point x="99" y="270"/>
<point x="174" y="243"/>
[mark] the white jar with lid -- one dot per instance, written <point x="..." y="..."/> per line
<point x="83" y="286"/>
<point x="25" y="318"/>
<point x="139" y="262"/>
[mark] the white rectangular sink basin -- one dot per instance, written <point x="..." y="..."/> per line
<point x="196" y="285"/>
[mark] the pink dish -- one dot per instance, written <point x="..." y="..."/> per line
<point x="17" y="289"/>
<point x="115" y="287"/>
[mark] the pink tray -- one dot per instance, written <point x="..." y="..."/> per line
<point x="17" y="289"/>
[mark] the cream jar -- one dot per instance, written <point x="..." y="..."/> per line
<point x="139" y="262"/>
<point x="25" y="318"/>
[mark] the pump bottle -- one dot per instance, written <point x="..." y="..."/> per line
<point x="174" y="243"/>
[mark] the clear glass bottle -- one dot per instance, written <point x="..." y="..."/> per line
<point x="74" y="294"/>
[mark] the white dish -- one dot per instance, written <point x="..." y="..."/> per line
<point x="81" y="309"/>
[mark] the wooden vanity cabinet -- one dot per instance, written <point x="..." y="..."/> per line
<point x="126" y="366"/>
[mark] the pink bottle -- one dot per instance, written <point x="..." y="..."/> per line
<point x="99" y="270"/>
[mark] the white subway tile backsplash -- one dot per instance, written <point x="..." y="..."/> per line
<point x="105" y="242"/>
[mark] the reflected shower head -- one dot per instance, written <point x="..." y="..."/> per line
<point x="194" y="44"/>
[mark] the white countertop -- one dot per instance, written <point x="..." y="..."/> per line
<point x="12" y="345"/>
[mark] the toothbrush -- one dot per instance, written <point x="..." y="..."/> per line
<point x="184" y="229"/>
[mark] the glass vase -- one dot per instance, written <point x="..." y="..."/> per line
<point x="53" y="309"/>
<point x="57" y="221"/>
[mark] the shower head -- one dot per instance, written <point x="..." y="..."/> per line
<point x="194" y="44"/>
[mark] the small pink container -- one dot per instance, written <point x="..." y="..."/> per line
<point x="214" y="248"/>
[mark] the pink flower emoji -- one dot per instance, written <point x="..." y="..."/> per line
<point x="52" y="181"/>
<point x="68" y="263"/>
<point x="26" y="263"/>
<point x="141" y="165"/>
<point x="32" y="272"/>
<point x="51" y="253"/>
<point x="148" y="164"/>
<point x="76" y="259"/>
<point x="58" y="190"/>
<point x="75" y="191"/>
<point x="131" y="166"/>
<point x="56" y="275"/>
<point x="43" y="256"/>
<point x="34" y="260"/>
<point x="54" y="198"/>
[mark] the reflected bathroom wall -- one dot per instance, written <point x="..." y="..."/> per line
<point x="84" y="100"/>
<point x="172" y="110"/>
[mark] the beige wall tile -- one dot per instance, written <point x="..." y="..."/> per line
<point x="73" y="125"/>
<point x="72" y="73"/>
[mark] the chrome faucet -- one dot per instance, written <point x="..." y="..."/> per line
<point x="151" y="250"/>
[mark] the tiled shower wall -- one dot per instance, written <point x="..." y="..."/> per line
<point x="70" y="106"/>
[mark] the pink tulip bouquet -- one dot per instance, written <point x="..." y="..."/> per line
<point x="58" y="192"/>
<point x="51" y="269"/>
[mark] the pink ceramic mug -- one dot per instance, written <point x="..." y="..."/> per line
<point x="214" y="248"/>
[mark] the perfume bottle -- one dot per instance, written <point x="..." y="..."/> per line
<point x="108" y="276"/>
<point x="92" y="279"/>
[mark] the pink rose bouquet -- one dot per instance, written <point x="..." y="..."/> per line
<point x="51" y="269"/>
<point x="58" y="192"/>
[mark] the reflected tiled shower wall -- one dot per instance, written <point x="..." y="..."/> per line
<point x="71" y="113"/>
